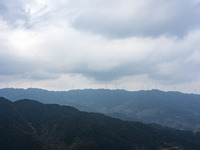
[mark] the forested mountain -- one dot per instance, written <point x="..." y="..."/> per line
<point x="172" y="109"/>
<point x="28" y="124"/>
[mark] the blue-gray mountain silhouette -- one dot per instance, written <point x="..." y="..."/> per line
<point x="172" y="109"/>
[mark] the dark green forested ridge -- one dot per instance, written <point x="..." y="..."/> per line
<point x="28" y="124"/>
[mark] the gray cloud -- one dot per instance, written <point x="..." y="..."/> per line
<point x="113" y="19"/>
<point x="13" y="11"/>
<point x="154" y="18"/>
<point x="169" y="72"/>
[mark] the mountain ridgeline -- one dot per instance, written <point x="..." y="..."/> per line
<point x="28" y="124"/>
<point x="172" y="109"/>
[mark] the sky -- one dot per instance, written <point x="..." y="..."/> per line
<point x="115" y="44"/>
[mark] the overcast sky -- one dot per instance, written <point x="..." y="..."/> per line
<point x="77" y="44"/>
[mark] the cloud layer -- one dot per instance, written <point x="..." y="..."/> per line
<point x="119" y="19"/>
<point x="55" y="42"/>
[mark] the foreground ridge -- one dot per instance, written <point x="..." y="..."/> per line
<point x="28" y="124"/>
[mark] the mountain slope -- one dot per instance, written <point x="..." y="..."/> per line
<point x="172" y="109"/>
<point x="15" y="131"/>
<point x="28" y="124"/>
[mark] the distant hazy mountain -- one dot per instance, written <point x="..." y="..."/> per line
<point x="31" y="125"/>
<point x="172" y="109"/>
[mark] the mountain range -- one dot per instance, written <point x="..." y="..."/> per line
<point x="29" y="124"/>
<point x="171" y="109"/>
